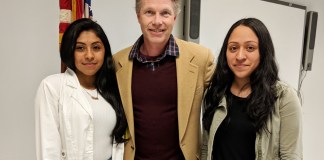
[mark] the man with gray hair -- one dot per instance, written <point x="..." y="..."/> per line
<point x="162" y="81"/>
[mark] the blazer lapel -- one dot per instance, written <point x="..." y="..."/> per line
<point x="124" y="69"/>
<point x="76" y="91"/>
<point x="187" y="74"/>
<point x="78" y="95"/>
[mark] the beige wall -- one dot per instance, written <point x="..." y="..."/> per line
<point x="29" y="52"/>
<point x="312" y="89"/>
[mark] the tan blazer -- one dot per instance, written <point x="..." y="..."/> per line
<point x="195" y="66"/>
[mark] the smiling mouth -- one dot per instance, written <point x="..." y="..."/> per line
<point x="89" y="64"/>
<point x="157" y="30"/>
<point x="240" y="65"/>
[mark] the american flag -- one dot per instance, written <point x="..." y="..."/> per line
<point x="71" y="10"/>
<point x="87" y="9"/>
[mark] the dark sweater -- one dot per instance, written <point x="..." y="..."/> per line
<point x="154" y="96"/>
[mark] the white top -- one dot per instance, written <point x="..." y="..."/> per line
<point x="104" y="121"/>
<point x="64" y="121"/>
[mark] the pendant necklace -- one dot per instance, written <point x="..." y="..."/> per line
<point x="93" y="97"/>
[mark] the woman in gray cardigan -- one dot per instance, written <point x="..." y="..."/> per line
<point x="250" y="114"/>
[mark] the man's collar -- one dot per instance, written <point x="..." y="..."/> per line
<point x="172" y="49"/>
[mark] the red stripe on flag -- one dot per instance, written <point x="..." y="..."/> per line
<point x="63" y="27"/>
<point x="65" y="4"/>
<point x="79" y="9"/>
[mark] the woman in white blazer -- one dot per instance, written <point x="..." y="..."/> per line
<point x="79" y="114"/>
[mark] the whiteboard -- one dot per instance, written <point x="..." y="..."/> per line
<point x="285" y="24"/>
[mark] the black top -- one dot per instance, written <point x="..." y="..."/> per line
<point x="235" y="137"/>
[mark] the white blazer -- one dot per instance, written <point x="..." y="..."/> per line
<point x="64" y="120"/>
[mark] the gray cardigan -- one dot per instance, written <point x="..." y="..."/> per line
<point x="285" y="138"/>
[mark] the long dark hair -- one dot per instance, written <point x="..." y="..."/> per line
<point x="106" y="81"/>
<point x="262" y="80"/>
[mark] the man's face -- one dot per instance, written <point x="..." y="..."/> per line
<point x="157" y="18"/>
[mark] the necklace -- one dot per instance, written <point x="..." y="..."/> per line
<point x="93" y="97"/>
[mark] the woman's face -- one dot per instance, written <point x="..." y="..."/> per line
<point x="242" y="53"/>
<point x="88" y="55"/>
